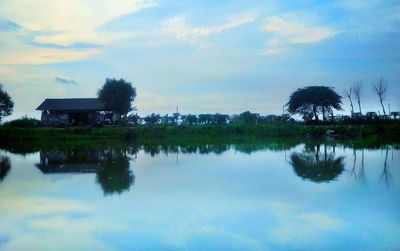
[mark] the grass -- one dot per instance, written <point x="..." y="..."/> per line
<point x="198" y="132"/>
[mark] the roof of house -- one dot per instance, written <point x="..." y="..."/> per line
<point x="68" y="104"/>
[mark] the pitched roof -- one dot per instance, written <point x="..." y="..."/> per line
<point x="67" y="104"/>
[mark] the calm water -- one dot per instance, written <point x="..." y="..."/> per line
<point x="271" y="196"/>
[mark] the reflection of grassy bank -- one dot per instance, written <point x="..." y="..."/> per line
<point x="202" y="145"/>
<point x="152" y="145"/>
<point x="198" y="132"/>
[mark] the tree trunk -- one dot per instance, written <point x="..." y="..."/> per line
<point x="383" y="107"/>
<point x="352" y="108"/>
<point x="359" y="106"/>
<point x="323" y="113"/>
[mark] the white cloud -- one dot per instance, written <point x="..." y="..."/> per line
<point x="303" y="227"/>
<point x="178" y="27"/>
<point x="61" y="24"/>
<point x="70" y="21"/>
<point x="287" y="33"/>
<point x="32" y="55"/>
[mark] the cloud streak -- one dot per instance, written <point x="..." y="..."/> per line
<point x="286" y="33"/>
<point x="178" y="27"/>
<point x="65" y="81"/>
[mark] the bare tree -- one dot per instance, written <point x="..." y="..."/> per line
<point x="348" y="93"/>
<point x="357" y="93"/>
<point x="380" y="88"/>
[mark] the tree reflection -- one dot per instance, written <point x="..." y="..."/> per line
<point x="110" y="165"/>
<point x="5" y="167"/>
<point x="310" y="165"/>
<point x="360" y="175"/>
<point x="115" y="175"/>
<point x="386" y="175"/>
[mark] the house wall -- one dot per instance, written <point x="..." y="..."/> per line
<point x="67" y="118"/>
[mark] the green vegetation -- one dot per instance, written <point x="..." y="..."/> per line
<point x="311" y="101"/>
<point x="6" y="103"/>
<point x="23" y="122"/>
<point x="117" y="95"/>
<point x="197" y="132"/>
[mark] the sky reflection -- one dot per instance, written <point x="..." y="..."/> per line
<point x="228" y="200"/>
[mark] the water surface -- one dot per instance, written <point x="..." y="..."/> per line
<point x="272" y="196"/>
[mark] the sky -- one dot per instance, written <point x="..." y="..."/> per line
<point x="202" y="56"/>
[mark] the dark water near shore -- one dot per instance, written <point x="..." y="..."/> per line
<point x="271" y="196"/>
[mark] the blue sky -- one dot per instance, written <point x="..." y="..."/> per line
<point x="205" y="56"/>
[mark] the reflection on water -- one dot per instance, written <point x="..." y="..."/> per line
<point x="359" y="174"/>
<point x="4" y="167"/>
<point x="115" y="175"/>
<point x="315" y="161"/>
<point x="313" y="165"/>
<point x="273" y="195"/>
<point x="386" y="175"/>
<point x="110" y="165"/>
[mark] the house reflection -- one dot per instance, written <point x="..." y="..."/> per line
<point x="110" y="165"/>
<point x="5" y="167"/>
<point x="311" y="164"/>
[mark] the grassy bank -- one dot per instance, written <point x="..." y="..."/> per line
<point x="199" y="132"/>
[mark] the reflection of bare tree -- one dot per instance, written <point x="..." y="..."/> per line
<point x="5" y="167"/>
<point x="360" y="175"/>
<point x="353" y="170"/>
<point x="386" y="175"/>
<point x="310" y="165"/>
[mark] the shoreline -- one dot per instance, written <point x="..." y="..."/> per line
<point x="201" y="132"/>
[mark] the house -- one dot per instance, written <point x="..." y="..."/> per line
<point x="74" y="111"/>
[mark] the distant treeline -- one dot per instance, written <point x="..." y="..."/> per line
<point x="206" y="119"/>
<point x="252" y="118"/>
<point x="244" y="119"/>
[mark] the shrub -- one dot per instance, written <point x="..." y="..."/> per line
<point x="23" y="122"/>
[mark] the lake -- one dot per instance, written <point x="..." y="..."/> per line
<point x="273" y="195"/>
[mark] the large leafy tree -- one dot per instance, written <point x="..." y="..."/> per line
<point x="117" y="95"/>
<point x="6" y="103"/>
<point x="312" y="101"/>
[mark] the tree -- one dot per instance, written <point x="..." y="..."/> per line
<point x="357" y="93"/>
<point x="189" y="119"/>
<point x="133" y="119"/>
<point x="380" y="88"/>
<point x="152" y="119"/>
<point x="348" y="93"/>
<point x="314" y="100"/>
<point x="220" y="119"/>
<point x="6" y="103"/>
<point x="248" y="118"/>
<point x="117" y="95"/>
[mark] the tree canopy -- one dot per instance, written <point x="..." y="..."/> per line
<point x="6" y="103"/>
<point x="314" y="100"/>
<point x="117" y="95"/>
